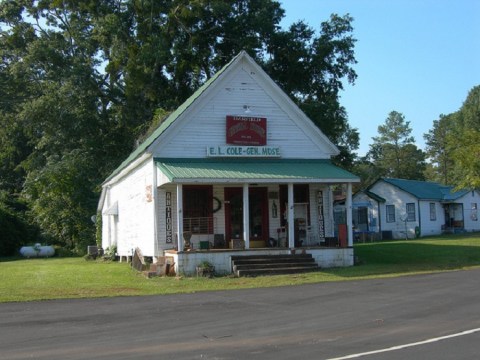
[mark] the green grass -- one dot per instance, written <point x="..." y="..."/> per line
<point x="56" y="278"/>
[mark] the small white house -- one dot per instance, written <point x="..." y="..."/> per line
<point x="238" y="168"/>
<point x="397" y="208"/>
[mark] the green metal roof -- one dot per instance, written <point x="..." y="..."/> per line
<point x="426" y="190"/>
<point x="252" y="170"/>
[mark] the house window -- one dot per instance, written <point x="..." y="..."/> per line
<point x="390" y="213"/>
<point x="198" y="209"/>
<point x="433" y="212"/>
<point x="411" y="212"/>
<point x="474" y="215"/>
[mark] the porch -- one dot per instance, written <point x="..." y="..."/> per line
<point x="324" y="257"/>
<point x="454" y="218"/>
<point x="240" y="207"/>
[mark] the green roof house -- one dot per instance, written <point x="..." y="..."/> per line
<point x="238" y="168"/>
<point x="399" y="208"/>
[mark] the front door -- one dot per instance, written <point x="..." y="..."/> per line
<point x="258" y="211"/>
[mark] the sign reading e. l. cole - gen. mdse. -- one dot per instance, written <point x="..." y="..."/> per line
<point x="243" y="151"/>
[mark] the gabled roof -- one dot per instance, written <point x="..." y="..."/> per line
<point x="149" y="143"/>
<point x="373" y="196"/>
<point x="425" y="190"/>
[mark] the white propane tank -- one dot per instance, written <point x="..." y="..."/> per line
<point x="37" y="250"/>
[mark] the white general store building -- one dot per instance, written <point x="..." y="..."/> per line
<point x="237" y="169"/>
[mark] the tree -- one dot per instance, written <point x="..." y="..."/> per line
<point x="438" y="151"/>
<point x="394" y="152"/>
<point x="453" y="145"/>
<point x="15" y="231"/>
<point x="464" y="142"/>
<point x="311" y="69"/>
<point x="84" y="79"/>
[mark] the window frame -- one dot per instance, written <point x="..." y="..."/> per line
<point x="410" y="210"/>
<point x="433" y="212"/>
<point x="389" y="214"/>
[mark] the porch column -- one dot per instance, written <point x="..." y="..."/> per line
<point x="348" y="204"/>
<point x="180" y="217"/>
<point x="290" y="217"/>
<point x="246" y="217"/>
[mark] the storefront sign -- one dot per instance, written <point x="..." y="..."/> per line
<point x="243" y="151"/>
<point x="321" y="220"/>
<point x="246" y="130"/>
<point x="168" y="217"/>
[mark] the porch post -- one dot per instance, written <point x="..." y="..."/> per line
<point x="348" y="204"/>
<point x="246" y="217"/>
<point x="291" y="226"/>
<point x="180" y="217"/>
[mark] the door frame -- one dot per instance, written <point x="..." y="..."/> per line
<point x="254" y="193"/>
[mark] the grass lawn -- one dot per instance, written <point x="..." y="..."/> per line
<point x="55" y="278"/>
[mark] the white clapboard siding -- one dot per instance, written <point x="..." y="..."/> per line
<point x="398" y="198"/>
<point x="431" y="226"/>
<point x="132" y="227"/>
<point x="471" y="210"/>
<point x="206" y="126"/>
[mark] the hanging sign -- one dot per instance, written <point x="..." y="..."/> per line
<point x="246" y="130"/>
<point x="168" y="217"/>
<point x="321" y="219"/>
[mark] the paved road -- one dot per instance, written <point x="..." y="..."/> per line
<point x="320" y="321"/>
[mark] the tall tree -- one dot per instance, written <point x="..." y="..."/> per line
<point x="312" y="69"/>
<point x="394" y="152"/>
<point x="465" y="142"/>
<point x="438" y="151"/>
<point x="83" y="79"/>
<point x="453" y="145"/>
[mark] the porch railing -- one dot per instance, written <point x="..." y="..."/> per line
<point x="198" y="225"/>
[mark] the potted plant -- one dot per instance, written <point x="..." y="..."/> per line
<point x="205" y="269"/>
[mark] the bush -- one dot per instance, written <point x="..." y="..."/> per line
<point x="110" y="253"/>
<point x="61" y="251"/>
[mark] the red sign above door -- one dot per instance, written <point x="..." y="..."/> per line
<point x="246" y="130"/>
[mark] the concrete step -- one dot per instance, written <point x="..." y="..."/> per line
<point x="273" y="265"/>
<point x="282" y="256"/>
<point x="254" y="265"/>
<point x="277" y="271"/>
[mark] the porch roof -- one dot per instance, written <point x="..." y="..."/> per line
<point x="253" y="170"/>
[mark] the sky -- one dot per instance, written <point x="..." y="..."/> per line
<point x="416" y="57"/>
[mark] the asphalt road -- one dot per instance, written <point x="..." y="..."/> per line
<point x="320" y="321"/>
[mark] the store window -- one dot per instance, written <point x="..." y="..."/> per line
<point x="197" y="209"/>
